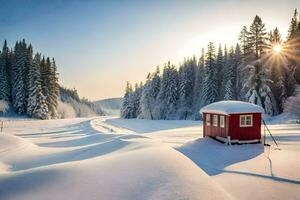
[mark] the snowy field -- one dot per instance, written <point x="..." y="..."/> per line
<point x="111" y="158"/>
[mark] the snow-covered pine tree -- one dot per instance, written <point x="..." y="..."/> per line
<point x="50" y="85"/>
<point x="238" y="61"/>
<point x="5" y="73"/>
<point x="219" y="72"/>
<point x="210" y="92"/>
<point x="18" y="73"/>
<point x="168" y="95"/>
<point x="229" y="93"/>
<point x="127" y="105"/>
<point x="136" y="97"/>
<point x="225" y="69"/>
<point x="230" y="89"/>
<point x="292" y="105"/>
<point x="53" y="89"/>
<point x="149" y="95"/>
<point x="4" y="85"/>
<point x="28" y="65"/>
<point x="145" y="105"/>
<point x="36" y="107"/>
<point x="186" y="87"/>
<point x="44" y="76"/>
<point x="259" y="91"/>
<point x="251" y="85"/>
<point x="198" y="85"/>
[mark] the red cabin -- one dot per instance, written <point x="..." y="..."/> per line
<point x="232" y="121"/>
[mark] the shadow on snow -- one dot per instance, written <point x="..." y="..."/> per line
<point x="213" y="157"/>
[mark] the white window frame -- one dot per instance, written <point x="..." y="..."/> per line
<point x="207" y="119"/>
<point x="222" y="121"/>
<point x="215" y="120"/>
<point x="244" y="118"/>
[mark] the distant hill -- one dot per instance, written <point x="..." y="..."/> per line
<point x="110" y="106"/>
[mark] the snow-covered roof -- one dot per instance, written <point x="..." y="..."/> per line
<point x="231" y="107"/>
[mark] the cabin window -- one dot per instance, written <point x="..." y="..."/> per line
<point x="215" y="122"/>
<point x="246" y="120"/>
<point x="222" y="121"/>
<point x="208" y="119"/>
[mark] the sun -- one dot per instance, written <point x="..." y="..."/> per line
<point x="277" y="48"/>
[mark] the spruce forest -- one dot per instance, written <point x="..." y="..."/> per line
<point x="263" y="68"/>
<point x="29" y="87"/>
<point x="28" y="82"/>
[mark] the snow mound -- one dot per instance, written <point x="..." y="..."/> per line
<point x="147" y="126"/>
<point x="231" y="107"/>
<point x="88" y="159"/>
<point x="9" y="142"/>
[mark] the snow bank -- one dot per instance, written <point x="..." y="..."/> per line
<point x="72" y="159"/>
<point x="231" y="107"/>
<point x="146" y="126"/>
<point x="69" y="159"/>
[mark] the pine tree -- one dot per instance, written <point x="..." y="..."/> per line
<point x="229" y="91"/>
<point x="168" y="95"/>
<point x="230" y="77"/>
<point x="136" y="97"/>
<point x="259" y="91"/>
<point x="28" y="65"/>
<point x="219" y="72"/>
<point x="257" y="37"/>
<point x="210" y="92"/>
<point x="198" y="85"/>
<point x="244" y="44"/>
<point x="252" y="85"/>
<point x="5" y="73"/>
<point x="127" y="106"/>
<point x="15" y="81"/>
<point x="239" y="69"/>
<point x="4" y="85"/>
<point x="225" y="70"/>
<point x="50" y="85"/>
<point x="293" y="45"/>
<point x="186" y="87"/>
<point x="54" y="90"/>
<point x="146" y="109"/>
<point x="18" y="73"/>
<point x="43" y="75"/>
<point x="293" y="28"/>
<point x="276" y="69"/>
<point x="149" y="95"/>
<point x="37" y="106"/>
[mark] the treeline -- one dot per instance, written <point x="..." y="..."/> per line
<point x="261" y="69"/>
<point x="29" y="86"/>
<point x="28" y="82"/>
<point x="71" y="105"/>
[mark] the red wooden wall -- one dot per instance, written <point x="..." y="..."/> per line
<point x="245" y="133"/>
<point x="215" y="131"/>
<point x="232" y="127"/>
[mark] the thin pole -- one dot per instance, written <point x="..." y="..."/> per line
<point x="270" y="133"/>
<point x="1" y="126"/>
<point x="264" y="135"/>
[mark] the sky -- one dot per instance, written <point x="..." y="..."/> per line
<point x="99" y="45"/>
